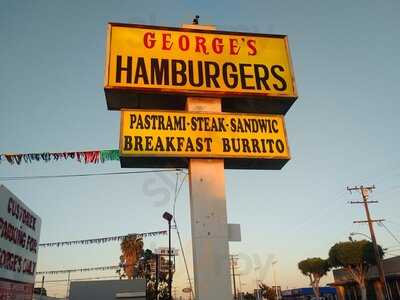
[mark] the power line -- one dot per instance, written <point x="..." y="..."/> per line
<point x="10" y="178"/>
<point x="393" y="247"/>
<point x="87" y="269"/>
<point x="393" y="251"/>
<point x="54" y="272"/>
<point x="389" y="231"/>
<point x="384" y="174"/>
<point x="177" y="191"/>
<point x="391" y="189"/>
<point x="78" y="279"/>
<point x="327" y="210"/>
<point x="394" y="223"/>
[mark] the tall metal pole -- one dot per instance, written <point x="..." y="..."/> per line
<point x="257" y="294"/>
<point x="157" y="274"/>
<point x="240" y="287"/>
<point x="274" y="274"/>
<point x="169" y="261"/>
<point x="69" y="277"/>
<point x="191" y="295"/>
<point x="41" y="290"/>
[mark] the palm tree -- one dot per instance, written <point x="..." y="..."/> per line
<point x="132" y="250"/>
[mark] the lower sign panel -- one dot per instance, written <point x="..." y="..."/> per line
<point x="154" y="139"/>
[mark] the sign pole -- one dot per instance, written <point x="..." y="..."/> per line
<point x="209" y="222"/>
<point x="209" y="218"/>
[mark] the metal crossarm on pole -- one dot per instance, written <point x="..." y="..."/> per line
<point x="367" y="221"/>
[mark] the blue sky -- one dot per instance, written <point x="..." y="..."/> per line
<point x="343" y="129"/>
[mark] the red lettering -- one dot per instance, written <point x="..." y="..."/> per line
<point x="166" y="43"/>
<point x="200" y="45"/>
<point x="233" y="43"/>
<point x="217" y="45"/>
<point x="252" y="47"/>
<point x="183" y="42"/>
<point x="149" y="39"/>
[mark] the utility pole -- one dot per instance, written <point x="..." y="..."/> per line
<point x="42" y="288"/>
<point x="68" y="282"/>
<point x="365" y="193"/>
<point x="157" y="273"/>
<point x="257" y="283"/>
<point x="233" y="260"/>
<point x="240" y="291"/>
<point x="167" y="216"/>
<point x="274" y="275"/>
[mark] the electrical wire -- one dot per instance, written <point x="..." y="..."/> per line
<point x="380" y="178"/>
<point x="389" y="190"/>
<point x="10" y="178"/>
<point x="388" y="221"/>
<point x="389" y="231"/>
<point x="78" y="279"/>
<point x="177" y="191"/>
<point x="88" y="269"/>
<point x="55" y="272"/>
<point x="393" y="251"/>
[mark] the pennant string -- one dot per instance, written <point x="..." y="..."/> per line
<point x="54" y="272"/>
<point x="101" y="240"/>
<point x="87" y="157"/>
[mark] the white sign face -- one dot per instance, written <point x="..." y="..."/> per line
<point x="19" y="239"/>
<point x="163" y="251"/>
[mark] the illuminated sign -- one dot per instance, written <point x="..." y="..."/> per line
<point x="233" y="137"/>
<point x="19" y="239"/>
<point x="163" y="60"/>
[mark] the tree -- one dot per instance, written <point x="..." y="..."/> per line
<point x="355" y="257"/>
<point x="132" y="250"/>
<point x="146" y="268"/>
<point x="267" y="292"/>
<point x="315" y="268"/>
<point x="138" y="263"/>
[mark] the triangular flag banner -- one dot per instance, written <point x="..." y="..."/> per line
<point x="87" y="157"/>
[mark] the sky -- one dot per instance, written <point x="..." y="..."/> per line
<point x="342" y="130"/>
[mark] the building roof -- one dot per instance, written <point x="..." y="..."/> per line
<point x="38" y="297"/>
<point x="308" y="291"/>
<point x="391" y="267"/>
